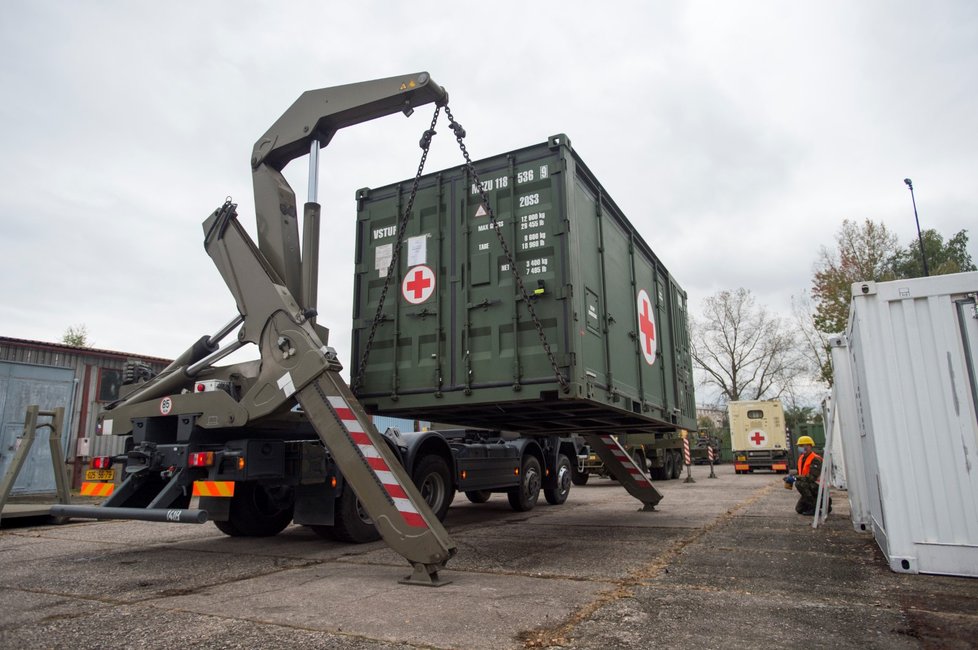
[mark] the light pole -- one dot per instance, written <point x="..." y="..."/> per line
<point x="920" y="239"/>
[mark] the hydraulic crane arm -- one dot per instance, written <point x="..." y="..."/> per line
<point x="318" y="114"/>
<point x="275" y="295"/>
<point x="309" y="124"/>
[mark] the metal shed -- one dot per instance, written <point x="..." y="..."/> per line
<point x="52" y="375"/>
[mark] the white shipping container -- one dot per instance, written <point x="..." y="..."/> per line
<point x="912" y="349"/>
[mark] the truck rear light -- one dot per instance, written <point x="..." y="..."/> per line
<point x="102" y="462"/>
<point x="201" y="459"/>
<point x="516" y="471"/>
<point x="201" y="388"/>
<point x="465" y="474"/>
<point x="332" y="481"/>
<point x="241" y="464"/>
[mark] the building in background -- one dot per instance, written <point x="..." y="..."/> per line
<point x="51" y="375"/>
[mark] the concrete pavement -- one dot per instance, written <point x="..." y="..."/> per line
<point x="722" y="563"/>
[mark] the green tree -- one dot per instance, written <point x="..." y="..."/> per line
<point x="863" y="251"/>
<point x="77" y="336"/>
<point x="706" y="425"/>
<point x="942" y="257"/>
<point x="798" y="415"/>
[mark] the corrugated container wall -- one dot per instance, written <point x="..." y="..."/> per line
<point x="455" y="343"/>
<point x="913" y="349"/>
<point x="847" y="419"/>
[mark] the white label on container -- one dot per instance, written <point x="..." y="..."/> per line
<point x="382" y="258"/>
<point x="107" y="427"/>
<point x="417" y="250"/>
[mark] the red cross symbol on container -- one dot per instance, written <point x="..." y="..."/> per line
<point x="646" y="326"/>
<point x="757" y="438"/>
<point x="418" y="284"/>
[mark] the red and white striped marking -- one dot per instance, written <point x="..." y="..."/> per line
<point x="636" y="473"/>
<point x="377" y="463"/>
<point x="686" y="457"/>
<point x="710" y="453"/>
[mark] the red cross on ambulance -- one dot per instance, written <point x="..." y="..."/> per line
<point x="757" y="437"/>
<point x="418" y="284"/>
<point x="646" y="326"/>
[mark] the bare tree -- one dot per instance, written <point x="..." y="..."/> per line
<point x="814" y="343"/>
<point x="744" y="351"/>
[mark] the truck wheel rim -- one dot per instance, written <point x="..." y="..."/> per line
<point x="433" y="490"/>
<point x="531" y="483"/>
<point x="362" y="514"/>
<point x="563" y="479"/>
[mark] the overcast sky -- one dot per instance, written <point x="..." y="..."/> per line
<point x="735" y="135"/>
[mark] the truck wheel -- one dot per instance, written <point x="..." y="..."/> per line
<point x="351" y="522"/>
<point x="659" y="473"/>
<point x="434" y="482"/>
<point x="478" y="496"/>
<point x="669" y="465"/>
<point x="579" y="477"/>
<point x="678" y="465"/>
<point x="258" y="511"/>
<point x="558" y="495"/>
<point x="524" y="496"/>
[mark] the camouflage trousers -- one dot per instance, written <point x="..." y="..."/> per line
<point x="808" y="491"/>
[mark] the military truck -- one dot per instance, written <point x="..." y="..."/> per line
<point x="661" y="454"/>
<point x="758" y="436"/>
<point x="517" y="322"/>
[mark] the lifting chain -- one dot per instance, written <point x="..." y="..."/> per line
<point x="517" y="278"/>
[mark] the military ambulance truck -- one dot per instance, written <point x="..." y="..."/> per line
<point x="758" y="436"/>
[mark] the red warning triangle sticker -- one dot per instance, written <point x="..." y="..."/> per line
<point x="481" y="211"/>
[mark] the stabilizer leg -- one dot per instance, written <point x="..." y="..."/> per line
<point x="620" y="465"/>
<point x="387" y="493"/>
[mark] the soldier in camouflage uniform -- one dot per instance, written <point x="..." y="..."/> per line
<point x="807" y="477"/>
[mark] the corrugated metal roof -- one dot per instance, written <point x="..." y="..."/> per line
<point x="95" y="352"/>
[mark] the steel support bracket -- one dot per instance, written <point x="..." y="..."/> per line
<point x="424" y="575"/>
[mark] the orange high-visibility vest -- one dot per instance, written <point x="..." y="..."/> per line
<point x="805" y="462"/>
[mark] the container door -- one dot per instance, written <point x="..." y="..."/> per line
<point x="412" y="344"/>
<point x="497" y="341"/>
<point x="20" y="386"/>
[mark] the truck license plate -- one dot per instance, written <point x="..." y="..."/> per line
<point x="100" y="475"/>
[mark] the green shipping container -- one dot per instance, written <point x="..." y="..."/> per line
<point x="455" y="343"/>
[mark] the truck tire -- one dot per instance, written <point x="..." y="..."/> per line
<point x="434" y="481"/>
<point x="669" y="465"/>
<point x="579" y="477"/>
<point x="478" y="496"/>
<point x="257" y="511"/>
<point x="524" y="496"/>
<point x="558" y="495"/>
<point x="351" y="522"/>
<point x="678" y="465"/>
<point x="659" y="473"/>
